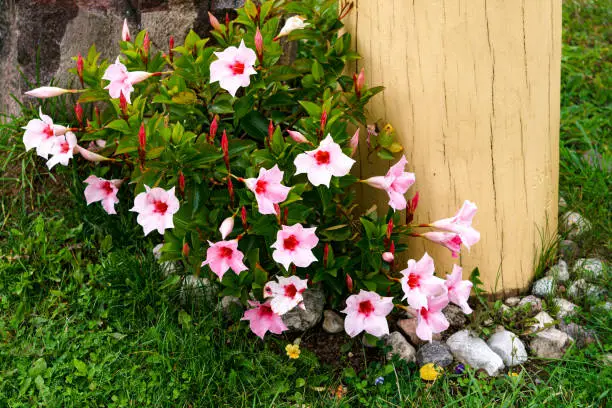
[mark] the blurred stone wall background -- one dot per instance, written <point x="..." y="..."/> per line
<point x="53" y="31"/>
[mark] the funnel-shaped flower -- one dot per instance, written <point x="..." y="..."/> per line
<point x="459" y="290"/>
<point x="325" y="161"/>
<point x="155" y="208"/>
<point x="224" y="255"/>
<point x="41" y="134"/>
<point x="294" y="244"/>
<point x="367" y="311"/>
<point x="293" y="23"/>
<point x="105" y="191"/>
<point x="233" y="68"/>
<point x="430" y="318"/>
<point x="297" y="136"/>
<point x="461" y="224"/>
<point x="396" y="182"/>
<point x="122" y="81"/>
<point x="62" y="150"/>
<point x="48" y="92"/>
<point x="263" y="319"/>
<point x="268" y="189"/>
<point x="286" y="293"/>
<point x="418" y="282"/>
<point x="450" y="240"/>
<point x="226" y="227"/>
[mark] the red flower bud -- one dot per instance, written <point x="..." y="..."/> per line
<point x="230" y="188"/>
<point x="123" y="105"/>
<point x="323" y="120"/>
<point x="392" y="248"/>
<point x="98" y="118"/>
<point x="225" y="148"/>
<point x="146" y="44"/>
<point x="181" y="182"/>
<point x="214" y="125"/>
<point x="277" y="211"/>
<point x="325" y="254"/>
<point x="227" y="19"/>
<point x="171" y="46"/>
<point x="270" y="132"/>
<point x="412" y="208"/>
<point x="214" y="23"/>
<point x="79" y="67"/>
<point x="142" y="137"/>
<point x="185" y="249"/>
<point x="349" y="283"/>
<point x="78" y="111"/>
<point x="359" y="82"/>
<point x="390" y="228"/>
<point x="243" y="217"/>
<point x="259" y="45"/>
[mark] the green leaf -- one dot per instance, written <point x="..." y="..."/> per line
<point x="314" y="110"/>
<point x="317" y="71"/>
<point x="385" y="154"/>
<point x="80" y="366"/>
<point x="38" y="368"/>
<point x="255" y="125"/>
<point x="222" y="104"/>
<point x="185" y="98"/>
<point x="119" y="125"/>
<point x="184" y="320"/>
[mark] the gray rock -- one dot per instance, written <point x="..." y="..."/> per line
<point x="435" y="352"/>
<point x="574" y="224"/>
<point x="543" y="321"/>
<point x="455" y="316"/>
<point x="400" y="347"/>
<point x="226" y="4"/>
<point x="589" y="268"/>
<point x="332" y="322"/>
<point x="559" y="272"/>
<point x="566" y="308"/>
<point x="543" y="287"/>
<point x="198" y="290"/>
<point x="581" y="288"/>
<point x="231" y="307"/>
<point x="509" y="347"/>
<point x="408" y="327"/>
<point x="549" y="343"/>
<point x="300" y="320"/>
<point x="562" y="203"/>
<point x="512" y="301"/>
<point x="534" y="302"/>
<point x="577" y="333"/>
<point x="470" y="349"/>
<point x="568" y="249"/>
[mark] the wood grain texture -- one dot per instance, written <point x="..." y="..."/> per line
<point x="472" y="88"/>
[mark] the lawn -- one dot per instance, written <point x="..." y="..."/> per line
<point x="89" y="318"/>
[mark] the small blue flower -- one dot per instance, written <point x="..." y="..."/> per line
<point x="460" y="368"/>
<point x="379" y="381"/>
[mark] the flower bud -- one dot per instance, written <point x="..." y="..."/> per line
<point x="325" y="254"/>
<point x="89" y="155"/>
<point x="392" y="247"/>
<point x="227" y="20"/>
<point x="146" y="44"/>
<point x="243" y="217"/>
<point x="79" y="67"/>
<point x="171" y="46"/>
<point x="214" y="23"/>
<point x="259" y="46"/>
<point x="123" y="105"/>
<point x="181" y="182"/>
<point x="226" y="227"/>
<point x="297" y="136"/>
<point x="230" y="188"/>
<point x="388" y="257"/>
<point x="349" y="283"/>
<point x="142" y="137"/>
<point x="354" y="143"/>
<point x="78" y="112"/>
<point x="125" y="32"/>
<point x="48" y="92"/>
<point x="323" y="120"/>
<point x="98" y="118"/>
<point x="213" y="129"/>
<point x="186" y="249"/>
<point x="412" y="208"/>
<point x="225" y="148"/>
<point x="390" y="228"/>
<point x="277" y="211"/>
<point x="359" y="82"/>
<point x="270" y="132"/>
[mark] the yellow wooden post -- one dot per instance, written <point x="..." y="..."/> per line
<point x="472" y="88"/>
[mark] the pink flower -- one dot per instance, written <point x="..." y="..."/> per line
<point x="41" y="134"/>
<point x="388" y="257"/>
<point x="294" y="245"/>
<point x="396" y="182"/>
<point x="459" y="290"/>
<point x="233" y="68"/>
<point x="292" y="23"/>
<point x="125" y="32"/>
<point x="224" y="255"/>
<point x="122" y="81"/>
<point x="297" y="136"/>
<point x="99" y="189"/>
<point x="226" y="227"/>
<point x="430" y="318"/>
<point x="325" y="161"/>
<point x="49" y="92"/>
<point x="286" y="294"/>
<point x="262" y="319"/>
<point x="89" y="155"/>
<point x="419" y="282"/>
<point x="155" y="208"/>
<point x="367" y="311"/>
<point x="62" y="150"/>
<point x="461" y="224"/>
<point x="268" y="189"/>
<point x="450" y="240"/>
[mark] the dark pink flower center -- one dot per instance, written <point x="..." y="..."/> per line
<point x="413" y="280"/>
<point x="65" y="147"/>
<point x="290" y="243"/>
<point x="424" y="313"/>
<point x="160" y="207"/>
<point x="225" y="252"/>
<point x="107" y="187"/>
<point x="366" y="307"/>
<point x="265" y="311"/>
<point x="456" y="240"/>
<point x="322" y="157"/>
<point x="290" y="291"/>
<point x="260" y="186"/>
<point x="48" y="131"/>
<point x="237" y="68"/>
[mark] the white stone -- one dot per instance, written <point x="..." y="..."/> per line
<point x="509" y="347"/>
<point x="512" y="301"/>
<point x="588" y="268"/>
<point x="550" y="343"/>
<point x="400" y="346"/>
<point x="566" y="308"/>
<point x="559" y="272"/>
<point x="543" y="320"/>
<point x="575" y="224"/>
<point x="581" y="288"/>
<point x="470" y="349"/>
<point x="332" y="322"/>
<point x="533" y="301"/>
<point x="543" y="287"/>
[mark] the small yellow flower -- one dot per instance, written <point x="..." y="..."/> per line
<point x="293" y="351"/>
<point x="430" y="372"/>
<point x="513" y="374"/>
<point x="388" y="128"/>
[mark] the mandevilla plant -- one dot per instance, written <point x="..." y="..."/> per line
<point x="197" y="134"/>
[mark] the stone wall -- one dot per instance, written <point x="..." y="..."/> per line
<point x="53" y="31"/>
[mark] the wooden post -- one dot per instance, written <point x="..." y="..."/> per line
<point x="472" y="88"/>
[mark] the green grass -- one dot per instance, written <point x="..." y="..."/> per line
<point x="88" y="318"/>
